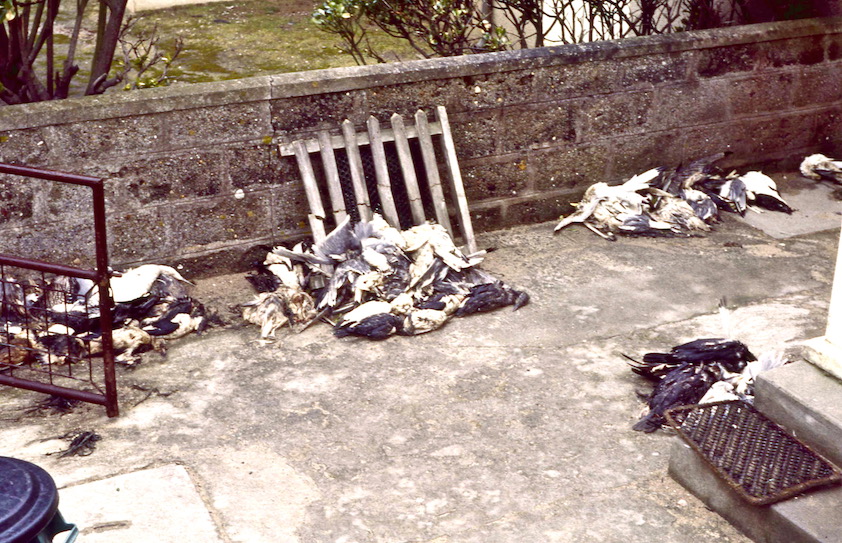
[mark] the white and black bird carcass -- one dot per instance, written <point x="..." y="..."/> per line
<point x="682" y="201"/>
<point x="686" y="373"/>
<point x="821" y="168"/>
<point x="372" y="280"/>
<point x="59" y="317"/>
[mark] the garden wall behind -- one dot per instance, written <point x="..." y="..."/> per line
<point x="533" y="128"/>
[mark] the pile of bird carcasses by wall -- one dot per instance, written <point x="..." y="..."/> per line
<point x="372" y="280"/>
<point x="56" y="319"/>
<point x="684" y="201"/>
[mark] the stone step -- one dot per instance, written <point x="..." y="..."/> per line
<point x="810" y="518"/>
<point x="808" y="402"/>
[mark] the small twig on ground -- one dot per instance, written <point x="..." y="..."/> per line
<point x="82" y="443"/>
<point x="56" y="404"/>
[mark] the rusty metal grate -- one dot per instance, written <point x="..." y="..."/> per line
<point x="755" y="456"/>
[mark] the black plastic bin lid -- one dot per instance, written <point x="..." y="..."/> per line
<point x="28" y="500"/>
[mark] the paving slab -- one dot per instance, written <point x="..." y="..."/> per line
<point x="153" y="505"/>
<point x="817" y="204"/>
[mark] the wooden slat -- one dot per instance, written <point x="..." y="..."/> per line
<point x="352" y="149"/>
<point x="400" y="133"/>
<point x="408" y="170"/>
<point x="457" y="188"/>
<point x="432" y="170"/>
<point x="338" y="142"/>
<point x="384" y="185"/>
<point x="317" y="213"/>
<point x="332" y="175"/>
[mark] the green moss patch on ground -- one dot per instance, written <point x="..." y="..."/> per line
<point x="225" y="40"/>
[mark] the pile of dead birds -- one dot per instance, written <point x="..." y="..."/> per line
<point x="821" y="168"/>
<point x="699" y="372"/>
<point x="682" y="201"/>
<point x="372" y="280"/>
<point x="56" y="319"/>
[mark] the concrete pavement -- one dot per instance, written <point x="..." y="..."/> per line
<point x="503" y="427"/>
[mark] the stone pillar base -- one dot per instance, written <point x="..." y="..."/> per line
<point x="826" y="355"/>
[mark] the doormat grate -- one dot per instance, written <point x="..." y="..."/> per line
<point x="755" y="456"/>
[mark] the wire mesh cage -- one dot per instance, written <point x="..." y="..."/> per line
<point x="755" y="456"/>
<point x="48" y="331"/>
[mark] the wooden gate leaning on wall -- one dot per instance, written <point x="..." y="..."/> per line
<point x="394" y="171"/>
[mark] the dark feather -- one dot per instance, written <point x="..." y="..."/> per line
<point x="262" y="280"/>
<point x="683" y="385"/>
<point x="490" y="296"/>
<point x="138" y="309"/>
<point x="771" y="203"/>
<point x="164" y="325"/>
<point x="695" y="172"/>
<point x="79" y="321"/>
<point x="829" y="175"/>
<point x="378" y="326"/>
<point x="640" y="225"/>
<point x="66" y="347"/>
<point x="732" y="354"/>
<point x="433" y="302"/>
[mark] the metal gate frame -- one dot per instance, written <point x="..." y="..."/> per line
<point x="100" y="276"/>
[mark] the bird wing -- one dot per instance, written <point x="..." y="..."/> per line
<point x="642" y="225"/>
<point x="582" y="213"/>
<point x="642" y="181"/>
<point x="679" y="215"/>
<point x="301" y="256"/>
<point x="133" y="283"/>
<point x="702" y="204"/>
<point x="733" y="192"/>
<point x="685" y="385"/>
<point x="345" y="274"/>
<point x="706" y="350"/>
<point x="338" y="242"/>
<point x="697" y="171"/>
<point x="363" y="311"/>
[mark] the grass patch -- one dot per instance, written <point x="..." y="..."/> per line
<point x="257" y="37"/>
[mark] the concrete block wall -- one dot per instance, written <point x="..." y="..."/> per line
<point x="533" y="128"/>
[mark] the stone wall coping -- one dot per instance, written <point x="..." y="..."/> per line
<point x="298" y="84"/>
